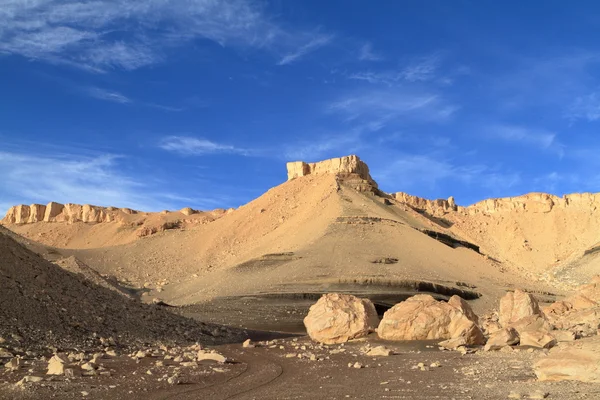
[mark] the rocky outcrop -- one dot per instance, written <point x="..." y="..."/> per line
<point x="535" y="203"/>
<point x="56" y="212"/>
<point x="337" y="318"/>
<point x="580" y="312"/>
<point x="347" y="168"/>
<point x="422" y="317"/>
<point x="433" y="207"/>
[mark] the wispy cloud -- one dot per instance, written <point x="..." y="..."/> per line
<point x="366" y="53"/>
<point x="107" y="95"/>
<point x="76" y="179"/>
<point x="117" y="97"/>
<point x="420" y="69"/>
<point x="585" y="107"/>
<point x="192" y="146"/>
<point x="536" y="137"/>
<point x="84" y="34"/>
<point x="419" y="173"/>
<point x="382" y="106"/>
<point x="315" y="43"/>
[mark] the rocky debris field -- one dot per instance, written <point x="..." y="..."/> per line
<point x="44" y="307"/>
<point x="289" y="369"/>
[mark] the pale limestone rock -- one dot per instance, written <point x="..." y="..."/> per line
<point x="460" y="304"/>
<point x="422" y="317"/>
<point x="516" y="305"/>
<point x="502" y="338"/>
<point x="13" y="365"/>
<point x="539" y="339"/>
<point x="434" y="207"/>
<point x="203" y="355"/>
<point x="337" y="318"/>
<point x="56" y="365"/>
<point x="579" y="361"/>
<point x="339" y="166"/>
<point x="379" y="351"/>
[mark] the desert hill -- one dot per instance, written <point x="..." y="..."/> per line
<point x="327" y="228"/>
<point x="42" y="304"/>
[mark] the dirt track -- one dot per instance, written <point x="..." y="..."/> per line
<point x="272" y="373"/>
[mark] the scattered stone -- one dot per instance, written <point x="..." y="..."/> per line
<point x="379" y="351"/>
<point x="337" y="318"/>
<point x="247" y="343"/>
<point x="203" y="356"/>
<point x="88" y="366"/>
<point x="515" y="395"/>
<point x="502" y="338"/>
<point x="5" y="353"/>
<point x="357" y="365"/>
<point x="537" y="339"/>
<point x="13" y="365"/>
<point x="29" y="379"/>
<point x="435" y="364"/>
<point x="56" y="365"/>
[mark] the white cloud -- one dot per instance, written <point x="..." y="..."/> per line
<point x="422" y="69"/>
<point x="424" y="172"/>
<point x="105" y="34"/>
<point x="585" y="107"/>
<point x="387" y="105"/>
<point x="539" y="138"/>
<point x="103" y="94"/>
<point x="315" y="43"/>
<point x="187" y="145"/>
<point x="29" y="178"/>
<point x="366" y="53"/>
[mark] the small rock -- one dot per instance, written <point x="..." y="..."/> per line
<point x="247" y="343"/>
<point x="56" y="365"/>
<point x="13" y="365"/>
<point x="357" y="365"/>
<point x="379" y="351"/>
<point x="88" y="366"/>
<point x="29" y="379"/>
<point x="202" y="356"/>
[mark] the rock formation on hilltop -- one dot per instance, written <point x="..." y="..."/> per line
<point x="349" y="169"/>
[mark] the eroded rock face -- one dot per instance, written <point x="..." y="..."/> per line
<point x="337" y="318"/>
<point x="343" y="167"/>
<point x="580" y="312"/>
<point x="422" y="317"/>
<point x="517" y="305"/>
<point x="578" y="361"/>
<point x="433" y="207"/>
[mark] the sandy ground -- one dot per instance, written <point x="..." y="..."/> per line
<point x="272" y="370"/>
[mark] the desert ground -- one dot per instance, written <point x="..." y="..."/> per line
<point x="323" y="287"/>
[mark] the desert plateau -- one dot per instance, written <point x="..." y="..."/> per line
<point x="323" y="287"/>
<point x="299" y="200"/>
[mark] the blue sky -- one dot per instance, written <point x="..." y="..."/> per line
<point x="161" y="104"/>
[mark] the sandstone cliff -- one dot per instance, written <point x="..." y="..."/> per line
<point x="433" y="207"/>
<point x="56" y="212"/>
<point x="349" y="169"/>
